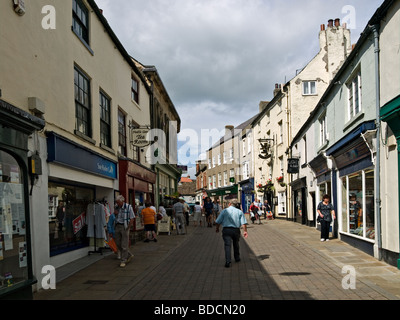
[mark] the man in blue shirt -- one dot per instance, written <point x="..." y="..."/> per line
<point x="232" y="219"/>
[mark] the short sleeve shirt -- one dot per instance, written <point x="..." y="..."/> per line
<point x="326" y="210"/>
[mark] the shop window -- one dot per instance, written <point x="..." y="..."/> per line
<point x="67" y="210"/>
<point x="13" y="245"/>
<point x="358" y="218"/>
<point x="344" y="206"/>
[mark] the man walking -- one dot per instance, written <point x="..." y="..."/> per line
<point x="123" y="222"/>
<point x="180" y="222"/>
<point x="232" y="219"/>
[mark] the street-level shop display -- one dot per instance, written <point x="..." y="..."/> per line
<point x="13" y="246"/>
<point x="67" y="225"/>
<point x="358" y="205"/>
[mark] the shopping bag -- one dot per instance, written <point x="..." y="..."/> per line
<point x="111" y="243"/>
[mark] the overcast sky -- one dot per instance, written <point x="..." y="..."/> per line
<point x="219" y="58"/>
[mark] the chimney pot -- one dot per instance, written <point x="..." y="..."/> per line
<point x="330" y="23"/>
<point x="322" y="27"/>
<point x="337" y="22"/>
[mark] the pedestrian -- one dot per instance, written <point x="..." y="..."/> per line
<point x="267" y="211"/>
<point x="208" y="210"/>
<point x="216" y="210"/>
<point x="161" y="210"/>
<point x="149" y="217"/>
<point x="186" y="210"/>
<point x="232" y="219"/>
<point x="124" y="218"/>
<point x="197" y="213"/>
<point x="325" y="212"/>
<point x="179" y="216"/>
<point x="254" y="209"/>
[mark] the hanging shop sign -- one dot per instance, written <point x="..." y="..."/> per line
<point x="139" y="137"/>
<point x="293" y="166"/>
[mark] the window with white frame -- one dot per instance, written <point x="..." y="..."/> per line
<point x="209" y="163"/>
<point x="280" y="124"/>
<point x="213" y="162"/>
<point x="219" y="159"/>
<point x="210" y="183"/>
<point x="225" y="178"/>
<point x="322" y="130"/>
<point x="309" y="88"/>
<point x="354" y="92"/>
<point x="224" y="157"/>
<point x="214" y="183"/>
<point x="219" y="180"/>
<point x="281" y="165"/>
<point x="231" y="154"/>
<point x="231" y="175"/>
<point x="249" y="140"/>
<point x="245" y="170"/>
<point x="244" y="147"/>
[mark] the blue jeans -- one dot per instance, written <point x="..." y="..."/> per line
<point x="231" y="236"/>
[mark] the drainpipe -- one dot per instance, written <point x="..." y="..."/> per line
<point x="375" y="30"/>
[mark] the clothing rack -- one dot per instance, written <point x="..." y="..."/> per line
<point x="103" y="202"/>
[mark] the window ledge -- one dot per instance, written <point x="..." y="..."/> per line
<point x="83" y="41"/>
<point x="84" y="137"/>
<point x="102" y="146"/>
<point x="349" y="123"/>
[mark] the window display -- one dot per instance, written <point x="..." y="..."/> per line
<point x="68" y="206"/>
<point x="13" y="246"/>
<point x="358" y="204"/>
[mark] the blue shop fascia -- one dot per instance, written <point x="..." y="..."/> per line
<point x="78" y="177"/>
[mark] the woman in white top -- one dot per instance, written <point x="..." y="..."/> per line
<point x="197" y="213"/>
<point x="162" y="211"/>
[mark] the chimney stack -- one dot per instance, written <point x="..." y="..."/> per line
<point x="277" y="89"/>
<point x="229" y="131"/>
<point x="337" y="22"/>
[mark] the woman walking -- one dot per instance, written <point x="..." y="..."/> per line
<point x="326" y="212"/>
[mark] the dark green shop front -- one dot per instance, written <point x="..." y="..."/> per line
<point x="390" y="113"/>
<point x="16" y="275"/>
<point x="224" y="194"/>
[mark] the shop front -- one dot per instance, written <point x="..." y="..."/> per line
<point x="16" y="274"/>
<point x="299" y="196"/>
<point x="78" y="180"/>
<point x="224" y="194"/>
<point x="323" y="174"/>
<point x="247" y="196"/>
<point x="355" y="189"/>
<point x="137" y="185"/>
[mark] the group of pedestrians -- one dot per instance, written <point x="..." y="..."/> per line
<point x="258" y="208"/>
<point x="208" y="213"/>
<point x="121" y="221"/>
<point x="232" y="219"/>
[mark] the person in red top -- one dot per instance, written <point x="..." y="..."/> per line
<point x="149" y="217"/>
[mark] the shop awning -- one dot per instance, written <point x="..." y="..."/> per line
<point x="223" y="191"/>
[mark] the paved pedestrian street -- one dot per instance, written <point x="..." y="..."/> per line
<point x="280" y="260"/>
